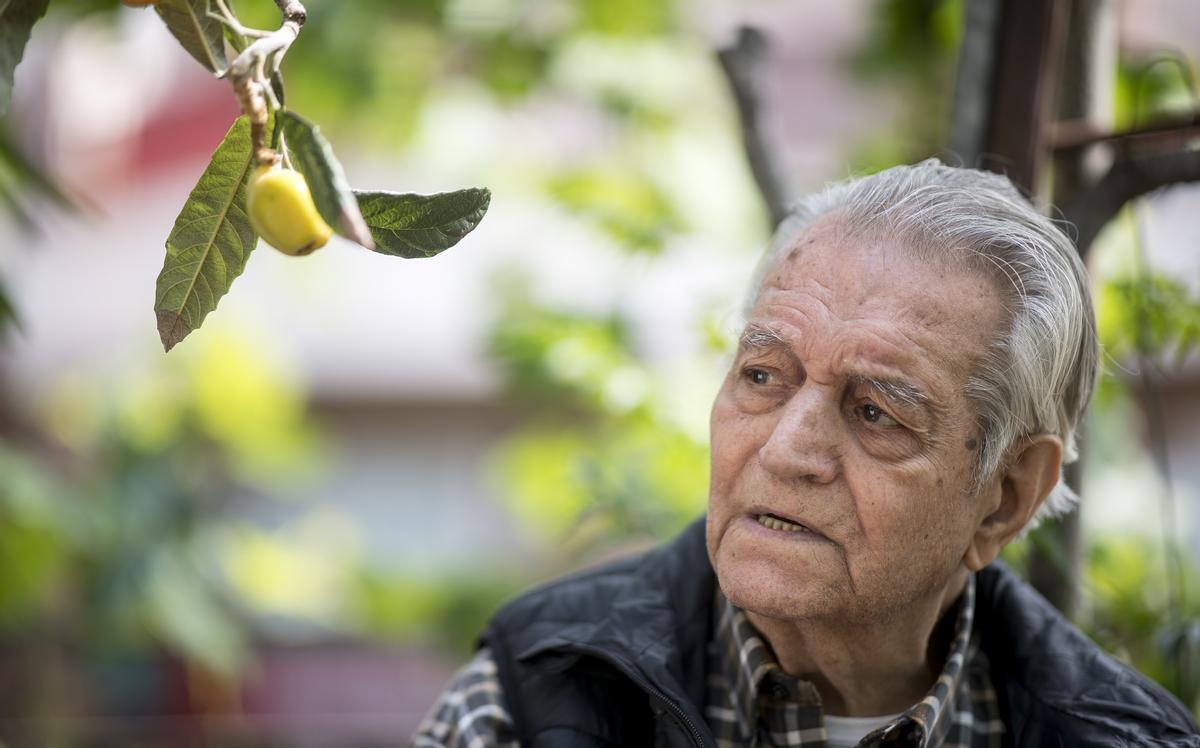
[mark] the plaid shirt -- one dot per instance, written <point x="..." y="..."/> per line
<point x="752" y="702"/>
<point x="471" y="711"/>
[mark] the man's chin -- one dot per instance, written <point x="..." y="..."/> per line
<point x="771" y="592"/>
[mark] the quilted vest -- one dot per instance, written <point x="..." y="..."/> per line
<point x="616" y="656"/>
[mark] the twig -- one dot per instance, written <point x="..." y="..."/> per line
<point x="1128" y="177"/>
<point x="226" y="16"/>
<point x="253" y="56"/>
<point x="247" y="74"/>
<point x="742" y="64"/>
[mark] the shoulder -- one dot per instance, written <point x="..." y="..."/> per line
<point x="470" y="712"/>
<point x="583" y="650"/>
<point x="674" y="578"/>
<point x="1052" y="677"/>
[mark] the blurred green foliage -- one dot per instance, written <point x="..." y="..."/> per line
<point x="910" y="51"/>
<point x="1143" y="597"/>
<point x="602" y="460"/>
<point x="368" y="70"/>
<point x="623" y="202"/>
<point x="369" y="67"/>
<point x="121" y="543"/>
<point x="1148" y="313"/>
<point x="1149" y="324"/>
<point x="1154" y="86"/>
<point x="106" y="527"/>
<point x="1126" y="595"/>
<point x="447" y="613"/>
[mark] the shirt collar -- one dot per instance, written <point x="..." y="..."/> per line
<point x="752" y="669"/>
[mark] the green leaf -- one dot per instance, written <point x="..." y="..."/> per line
<point x="8" y="314"/>
<point x="313" y="157"/>
<point x="16" y="22"/>
<point x="24" y="174"/>
<point x="210" y="242"/>
<point x="277" y="87"/>
<point x="188" y="617"/>
<point x="21" y="182"/>
<point x="202" y="36"/>
<point x="421" y="225"/>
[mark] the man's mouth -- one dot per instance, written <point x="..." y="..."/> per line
<point x="778" y="523"/>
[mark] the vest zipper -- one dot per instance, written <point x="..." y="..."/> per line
<point x="648" y="687"/>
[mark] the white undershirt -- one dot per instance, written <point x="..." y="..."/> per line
<point x="846" y="732"/>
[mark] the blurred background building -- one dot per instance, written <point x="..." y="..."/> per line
<point x="288" y="529"/>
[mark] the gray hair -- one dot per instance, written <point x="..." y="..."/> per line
<point x="1038" y="374"/>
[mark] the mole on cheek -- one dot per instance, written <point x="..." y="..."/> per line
<point x="972" y="444"/>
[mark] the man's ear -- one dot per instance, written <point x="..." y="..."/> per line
<point x="1015" y="497"/>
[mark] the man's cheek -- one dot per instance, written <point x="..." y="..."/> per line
<point x="725" y="462"/>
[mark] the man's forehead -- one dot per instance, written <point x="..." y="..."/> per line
<point x="835" y="230"/>
<point x="829" y="249"/>
<point x="944" y="313"/>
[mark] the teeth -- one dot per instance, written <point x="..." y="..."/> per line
<point x="775" y="523"/>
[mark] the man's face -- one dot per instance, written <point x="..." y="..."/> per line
<point x="844" y="412"/>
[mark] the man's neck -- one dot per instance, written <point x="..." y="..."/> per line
<point x="868" y="669"/>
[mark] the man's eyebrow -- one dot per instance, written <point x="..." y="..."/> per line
<point x="899" y="391"/>
<point x="758" y="336"/>
<point x="896" y="390"/>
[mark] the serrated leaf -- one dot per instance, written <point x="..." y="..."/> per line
<point x="313" y="157"/>
<point x="16" y="22"/>
<point x="412" y="226"/>
<point x="210" y="242"/>
<point x="202" y="36"/>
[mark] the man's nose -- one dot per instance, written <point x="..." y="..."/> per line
<point x="803" y="443"/>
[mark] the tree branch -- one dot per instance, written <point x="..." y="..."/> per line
<point x="1069" y="134"/>
<point x="742" y="64"/>
<point x="1128" y="177"/>
<point x="247" y="74"/>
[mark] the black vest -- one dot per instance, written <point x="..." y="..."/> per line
<point x="616" y="657"/>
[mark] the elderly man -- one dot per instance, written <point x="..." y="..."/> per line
<point x="918" y="351"/>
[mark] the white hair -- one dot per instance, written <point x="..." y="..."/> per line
<point x="1039" y="372"/>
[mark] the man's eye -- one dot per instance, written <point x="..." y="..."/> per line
<point x="757" y="376"/>
<point x="873" y="414"/>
